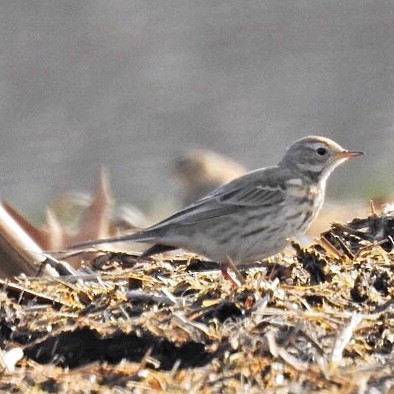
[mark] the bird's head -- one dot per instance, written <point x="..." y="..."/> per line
<point x="316" y="157"/>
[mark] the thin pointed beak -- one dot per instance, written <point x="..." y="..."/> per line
<point x="347" y="154"/>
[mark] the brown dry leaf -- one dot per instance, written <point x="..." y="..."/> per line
<point x="19" y="253"/>
<point x="37" y="234"/>
<point x="25" y="242"/>
<point x="94" y="224"/>
<point x="95" y="221"/>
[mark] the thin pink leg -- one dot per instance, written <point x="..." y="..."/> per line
<point x="225" y="265"/>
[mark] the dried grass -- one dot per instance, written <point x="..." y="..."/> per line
<point x="319" y="320"/>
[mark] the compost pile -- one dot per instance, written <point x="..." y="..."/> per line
<point x="315" y="319"/>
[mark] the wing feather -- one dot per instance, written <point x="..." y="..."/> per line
<point x="252" y="191"/>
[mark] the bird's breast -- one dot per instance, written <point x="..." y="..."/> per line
<point x="302" y="206"/>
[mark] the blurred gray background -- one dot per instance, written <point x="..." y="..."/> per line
<point x="132" y="84"/>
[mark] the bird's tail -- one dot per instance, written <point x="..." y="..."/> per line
<point x="137" y="237"/>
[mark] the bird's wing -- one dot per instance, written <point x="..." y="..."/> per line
<point x="250" y="192"/>
<point x="257" y="195"/>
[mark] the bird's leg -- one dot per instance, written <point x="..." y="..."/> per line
<point x="225" y="265"/>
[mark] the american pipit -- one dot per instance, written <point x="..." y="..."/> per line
<point x="200" y="171"/>
<point x="252" y="216"/>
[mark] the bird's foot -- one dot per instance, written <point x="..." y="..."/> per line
<point x="224" y="266"/>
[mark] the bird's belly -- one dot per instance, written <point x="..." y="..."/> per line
<point x="263" y="238"/>
<point x="251" y="240"/>
<point x="249" y="237"/>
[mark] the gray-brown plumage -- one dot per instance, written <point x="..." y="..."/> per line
<point x="200" y="171"/>
<point x="252" y="216"/>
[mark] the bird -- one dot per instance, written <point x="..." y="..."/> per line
<point x="201" y="171"/>
<point x="253" y="216"/>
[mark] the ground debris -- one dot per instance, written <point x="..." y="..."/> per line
<point x="319" y="320"/>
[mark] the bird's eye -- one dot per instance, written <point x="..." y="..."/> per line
<point x="322" y="151"/>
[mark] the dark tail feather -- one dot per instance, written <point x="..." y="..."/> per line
<point x="157" y="248"/>
<point x="137" y="237"/>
